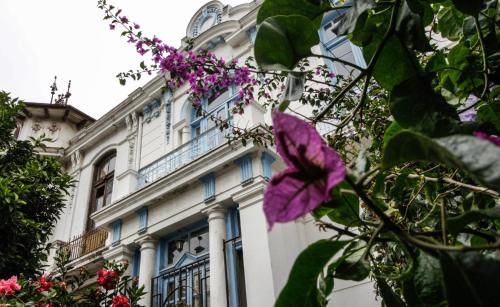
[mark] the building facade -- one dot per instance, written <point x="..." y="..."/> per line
<point x="158" y="185"/>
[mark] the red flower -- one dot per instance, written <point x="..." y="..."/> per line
<point x="107" y="278"/>
<point x="120" y="301"/>
<point x="44" y="284"/>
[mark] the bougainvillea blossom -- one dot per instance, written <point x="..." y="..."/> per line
<point x="313" y="169"/>
<point x="9" y="286"/>
<point x="485" y="136"/>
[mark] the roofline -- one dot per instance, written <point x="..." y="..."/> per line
<point x="59" y="106"/>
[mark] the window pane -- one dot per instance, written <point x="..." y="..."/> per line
<point x="109" y="191"/>
<point x="199" y="242"/>
<point x="99" y="198"/>
<point x="111" y="164"/>
<point x="176" y="249"/>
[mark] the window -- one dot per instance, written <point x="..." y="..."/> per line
<point x="102" y="187"/>
<point x="202" y="118"/>
<point x="339" y="46"/>
<point x="194" y="243"/>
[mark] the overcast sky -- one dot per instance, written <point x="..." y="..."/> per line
<point x="68" y="38"/>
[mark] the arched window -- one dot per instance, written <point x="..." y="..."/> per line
<point x="102" y="187"/>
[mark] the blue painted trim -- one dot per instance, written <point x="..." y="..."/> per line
<point x="136" y="263"/>
<point x="232" y="231"/>
<point x="267" y="162"/>
<point x="246" y="171"/>
<point x="143" y="219"/>
<point x="116" y="232"/>
<point x="208" y="187"/>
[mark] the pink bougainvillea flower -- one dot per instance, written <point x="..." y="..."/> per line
<point x="485" y="136"/>
<point x="313" y="169"/>
<point x="9" y="286"/>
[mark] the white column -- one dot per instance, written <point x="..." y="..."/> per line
<point x="217" y="233"/>
<point x="147" y="267"/>
<point x="259" y="281"/>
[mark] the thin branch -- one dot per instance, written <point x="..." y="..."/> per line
<point x="335" y="59"/>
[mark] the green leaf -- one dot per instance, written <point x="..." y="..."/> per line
<point x="352" y="265"/>
<point x="343" y="208"/>
<point x="386" y="73"/>
<point x="410" y="28"/>
<point x="390" y="298"/>
<point x="470" y="279"/>
<point x="427" y="280"/>
<point x="470" y="7"/>
<point x="490" y="113"/>
<point x="282" y="41"/>
<point x="301" y="284"/>
<point x="431" y="114"/>
<point x="393" y="129"/>
<point x="457" y="223"/>
<point x="479" y="158"/>
<point x="450" y="23"/>
<point x="271" y="8"/>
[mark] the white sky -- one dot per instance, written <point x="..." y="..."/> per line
<point x="68" y="38"/>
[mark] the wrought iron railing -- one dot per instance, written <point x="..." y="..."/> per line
<point x="86" y="243"/>
<point x="185" y="286"/>
<point x="181" y="156"/>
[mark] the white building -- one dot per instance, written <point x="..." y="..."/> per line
<point x="162" y="188"/>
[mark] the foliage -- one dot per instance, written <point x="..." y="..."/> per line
<point x="65" y="287"/>
<point x="417" y="130"/>
<point x="32" y="193"/>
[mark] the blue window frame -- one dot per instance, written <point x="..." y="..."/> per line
<point x="246" y="171"/>
<point x="136" y="263"/>
<point x="339" y="46"/>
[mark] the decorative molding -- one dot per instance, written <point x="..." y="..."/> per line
<point x="76" y="160"/>
<point x="131" y="122"/>
<point x="208" y="12"/>
<point x="53" y="127"/>
<point x="37" y="126"/>
<point x="167" y="101"/>
<point x="131" y="152"/>
<point x="151" y="110"/>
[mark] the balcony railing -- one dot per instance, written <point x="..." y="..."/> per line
<point x="181" y="156"/>
<point x="185" y="286"/>
<point x="86" y="243"/>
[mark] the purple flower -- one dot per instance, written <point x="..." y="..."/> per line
<point x="313" y="169"/>
<point x="136" y="26"/>
<point x="111" y="26"/>
<point x="124" y="19"/>
<point x="485" y="136"/>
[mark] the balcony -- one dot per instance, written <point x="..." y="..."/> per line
<point x="181" y="156"/>
<point x="86" y="243"/>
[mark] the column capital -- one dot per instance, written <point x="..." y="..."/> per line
<point x="146" y="241"/>
<point x="252" y="194"/>
<point x="214" y="211"/>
